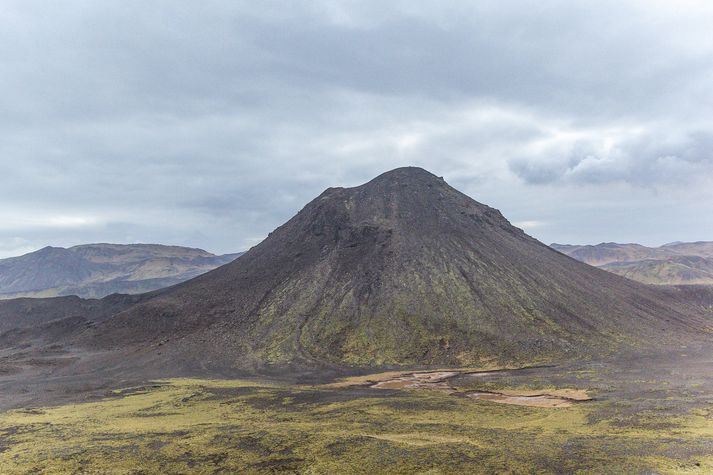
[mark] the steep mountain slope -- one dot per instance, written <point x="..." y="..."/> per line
<point x="672" y="264"/>
<point x="96" y="270"/>
<point x="403" y="270"/>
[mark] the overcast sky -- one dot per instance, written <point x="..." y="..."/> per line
<point x="210" y="123"/>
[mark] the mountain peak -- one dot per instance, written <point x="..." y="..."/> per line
<point x="399" y="202"/>
<point x="49" y="249"/>
<point x="406" y="177"/>
<point x="412" y="173"/>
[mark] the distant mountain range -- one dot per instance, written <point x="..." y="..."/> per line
<point x="678" y="263"/>
<point x="97" y="270"/>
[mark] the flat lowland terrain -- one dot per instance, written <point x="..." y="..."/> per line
<point x="645" y="415"/>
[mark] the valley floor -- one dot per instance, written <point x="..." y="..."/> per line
<point x="646" y="416"/>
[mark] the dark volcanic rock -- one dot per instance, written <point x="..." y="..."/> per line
<point x="403" y="270"/>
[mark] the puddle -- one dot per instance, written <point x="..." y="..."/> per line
<point x="439" y="380"/>
<point x="434" y="380"/>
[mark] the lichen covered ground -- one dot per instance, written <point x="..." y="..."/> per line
<point x="244" y="426"/>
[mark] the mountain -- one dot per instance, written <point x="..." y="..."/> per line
<point x="403" y="270"/>
<point x="675" y="270"/>
<point x="677" y="263"/>
<point x="96" y="270"/>
<point x="608" y="252"/>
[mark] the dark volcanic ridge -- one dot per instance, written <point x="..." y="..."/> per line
<point x="401" y="271"/>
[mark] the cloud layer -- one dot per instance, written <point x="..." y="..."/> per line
<point x="208" y="125"/>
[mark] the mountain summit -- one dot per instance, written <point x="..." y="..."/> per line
<point x="403" y="270"/>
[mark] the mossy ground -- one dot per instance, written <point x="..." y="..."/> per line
<point x="240" y="426"/>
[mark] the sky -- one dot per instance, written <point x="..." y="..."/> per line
<point x="210" y="123"/>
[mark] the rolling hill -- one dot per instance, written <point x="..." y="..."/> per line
<point x="97" y="270"/>
<point x="672" y="264"/>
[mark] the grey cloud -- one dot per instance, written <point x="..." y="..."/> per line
<point x="535" y="173"/>
<point x="642" y="161"/>
<point x="114" y="57"/>
<point x="211" y="124"/>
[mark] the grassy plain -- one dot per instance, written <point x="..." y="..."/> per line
<point x="244" y="426"/>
